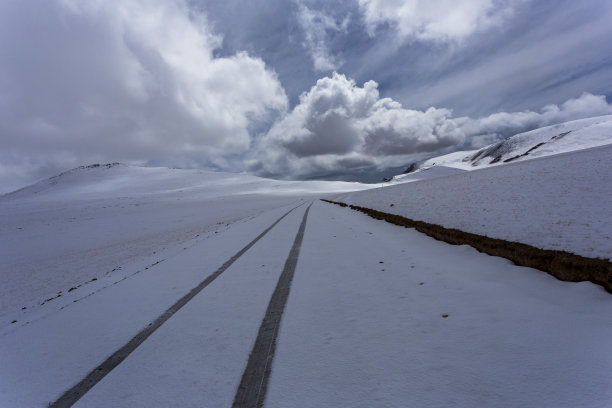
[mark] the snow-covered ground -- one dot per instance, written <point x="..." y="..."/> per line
<point x="559" y="202"/>
<point x="378" y="315"/>
<point x="382" y="316"/>
<point x="91" y="227"/>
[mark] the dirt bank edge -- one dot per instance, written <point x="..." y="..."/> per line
<point x="562" y="265"/>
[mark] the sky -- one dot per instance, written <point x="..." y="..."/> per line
<point x="293" y="89"/>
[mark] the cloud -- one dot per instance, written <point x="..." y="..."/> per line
<point x="149" y="81"/>
<point x="435" y="20"/>
<point x="504" y="124"/>
<point x="131" y="81"/>
<point x="316" y="24"/>
<point x="338" y="126"/>
<point x="534" y="62"/>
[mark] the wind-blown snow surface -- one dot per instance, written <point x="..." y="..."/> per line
<point x="69" y="236"/>
<point x="560" y="202"/>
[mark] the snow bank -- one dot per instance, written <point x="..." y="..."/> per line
<point x="560" y="202"/>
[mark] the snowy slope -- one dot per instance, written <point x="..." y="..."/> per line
<point x="73" y="234"/>
<point x="377" y="316"/>
<point x="562" y="138"/>
<point x="119" y="180"/>
<point x="426" y="173"/>
<point x="560" y="202"/>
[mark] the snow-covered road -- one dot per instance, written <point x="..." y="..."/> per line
<point x="382" y="316"/>
<point x="377" y="315"/>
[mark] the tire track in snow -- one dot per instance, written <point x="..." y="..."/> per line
<point x="253" y="386"/>
<point x="71" y="396"/>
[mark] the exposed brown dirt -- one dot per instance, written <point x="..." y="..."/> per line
<point x="562" y="265"/>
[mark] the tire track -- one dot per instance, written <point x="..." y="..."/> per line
<point x="71" y="396"/>
<point x="253" y="386"/>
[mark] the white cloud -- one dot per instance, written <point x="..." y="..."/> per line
<point x="438" y="20"/>
<point x="316" y="24"/>
<point x="338" y="126"/>
<point x="542" y="65"/>
<point x="122" y="80"/>
<point x="505" y="124"/>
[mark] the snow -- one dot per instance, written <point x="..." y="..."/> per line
<point x="200" y="353"/>
<point x="425" y="173"/>
<point x="42" y="359"/>
<point x="122" y="181"/>
<point x="378" y="315"/>
<point x="559" y="202"/>
<point x="547" y="141"/>
<point x="364" y="326"/>
<point x="110" y="222"/>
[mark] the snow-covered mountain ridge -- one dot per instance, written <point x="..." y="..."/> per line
<point x="547" y="141"/>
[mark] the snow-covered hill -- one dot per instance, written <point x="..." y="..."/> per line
<point x="559" y="202"/>
<point x="119" y="180"/>
<point x="551" y="140"/>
